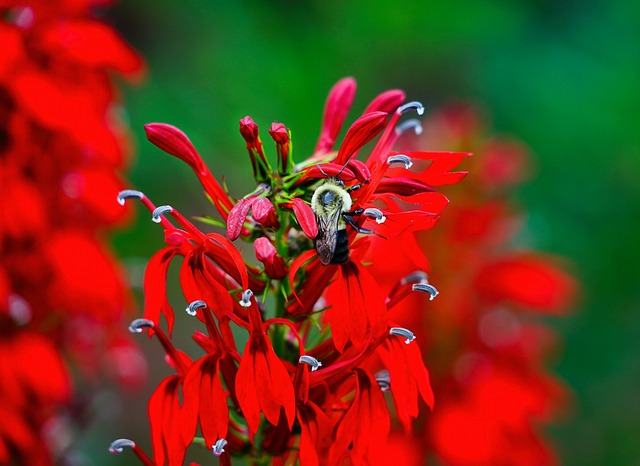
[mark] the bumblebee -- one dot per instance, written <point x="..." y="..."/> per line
<point x="331" y="203"/>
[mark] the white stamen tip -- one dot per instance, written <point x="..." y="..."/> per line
<point x="218" y="447"/>
<point x="160" y="211"/>
<point x="415" y="105"/>
<point x="246" y="298"/>
<point x="194" y="306"/>
<point x="118" y="445"/>
<point x="375" y="213"/>
<point x="383" y="379"/>
<point x="408" y="125"/>
<point x="140" y="324"/>
<point x="310" y="360"/>
<point x="417" y="276"/>
<point x="427" y="288"/>
<point x="400" y="158"/>
<point x="129" y="194"/>
<point x="402" y="332"/>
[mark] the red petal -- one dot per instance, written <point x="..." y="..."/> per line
<point x="387" y="102"/>
<point x="155" y="287"/>
<point x="305" y="216"/>
<point x="360" y="170"/>
<point x="357" y="312"/>
<point x="173" y="141"/>
<point x="324" y="170"/>
<point x="363" y="130"/>
<point x="237" y="216"/>
<point x="338" y="104"/>
<point x="264" y="212"/>
<point x="228" y="257"/>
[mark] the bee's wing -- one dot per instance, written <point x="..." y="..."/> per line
<point x="328" y="235"/>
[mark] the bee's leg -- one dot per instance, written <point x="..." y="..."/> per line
<point x="348" y="217"/>
<point x="354" y="187"/>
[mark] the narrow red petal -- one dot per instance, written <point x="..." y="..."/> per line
<point x="305" y="216"/>
<point x="338" y="104"/>
<point x="363" y="130"/>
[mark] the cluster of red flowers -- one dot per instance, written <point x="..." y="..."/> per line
<point x="324" y="344"/>
<point x="62" y="295"/>
<point x="483" y="338"/>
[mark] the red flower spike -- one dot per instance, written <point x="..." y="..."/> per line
<point x="387" y="102"/>
<point x="237" y="216"/>
<point x="280" y="135"/>
<point x="338" y="104"/>
<point x="264" y="212"/>
<point x="363" y="130"/>
<point x="409" y="378"/>
<point x="357" y="312"/>
<point x="305" y="217"/>
<point x="263" y="383"/>
<point x="266" y="253"/>
<point x="259" y="162"/>
<point x="365" y="426"/>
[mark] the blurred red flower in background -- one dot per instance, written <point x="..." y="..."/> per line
<point x="62" y="145"/>
<point x="484" y="337"/>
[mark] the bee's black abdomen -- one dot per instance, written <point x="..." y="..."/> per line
<point x="341" y="254"/>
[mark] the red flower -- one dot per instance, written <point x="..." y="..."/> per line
<point x="305" y="385"/>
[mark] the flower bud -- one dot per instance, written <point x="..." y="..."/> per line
<point x="261" y="167"/>
<point x="264" y="212"/>
<point x="266" y="253"/>
<point x="280" y="135"/>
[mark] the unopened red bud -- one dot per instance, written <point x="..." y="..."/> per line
<point x="264" y="213"/>
<point x="173" y="141"/>
<point x="280" y="135"/>
<point x="249" y="130"/>
<point x="266" y="253"/>
<point x="259" y="163"/>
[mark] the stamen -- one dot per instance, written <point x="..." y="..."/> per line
<point x="400" y="158"/>
<point x="194" y="306"/>
<point x="129" y="194"/>
<point x="160" y="211"/>
<point x="417" y="276"/>
<point x="408" y="125"/>
<point x="310" y="360"/>
<point x="246" y="298"/>
<point x="19" y="309"/>
<point x="375" y="213"/>
<point x="218" y="447"/>
<point x="140" y="324"/>
<point x="427" y="288"/>
<point x="118" y="445"/>
<point x="383" y="379"/>
<point x="402" y="332"/>
<point x="415" y="105"/>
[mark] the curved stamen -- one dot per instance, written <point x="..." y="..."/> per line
<point x="415" y="105"/>
<point x="129" y="194"/>
<point x="417" y="276"/>
<point x="427" y="288"/>
<point x="404" y="333"/>
<point x="194" y="306"/>
<point x="218" y="447"/>
<point x="160" y="211"/>
<point x="246" y="298"/>
<point x="400" y="158"/>
<point x="409" y="125"/>
<point x="310" y="360"/>
<point x="140" y="324"/>
<point x="120" y="444"/>
<point x="375" y="213"/>
<point x="383" y="379"/>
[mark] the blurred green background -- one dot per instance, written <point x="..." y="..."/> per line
<point x="563" y="76"/>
